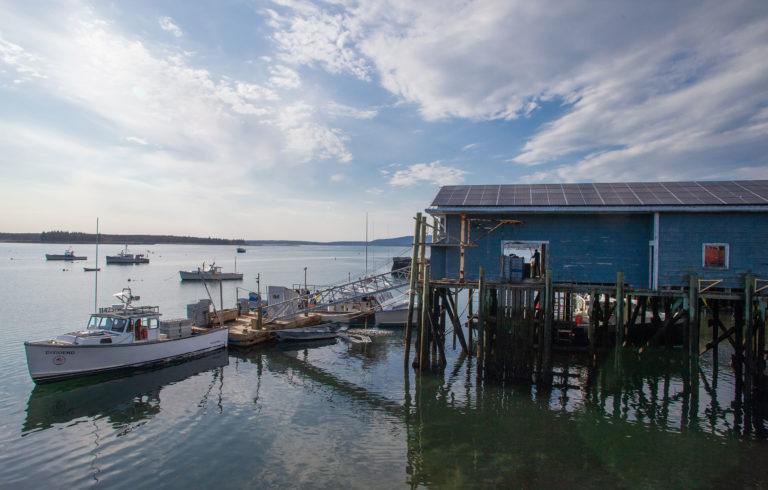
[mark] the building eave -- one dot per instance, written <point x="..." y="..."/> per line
<point x="440" y="210"/>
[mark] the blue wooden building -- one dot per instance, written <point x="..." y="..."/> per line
<point x="657" y="233"/>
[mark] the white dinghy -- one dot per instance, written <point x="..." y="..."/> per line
<point x="121" y="336"/>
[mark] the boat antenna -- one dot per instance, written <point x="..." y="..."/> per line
<point x="96" y="272"/>
<point x="366" y="243"/>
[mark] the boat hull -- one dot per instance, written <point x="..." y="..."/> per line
<point x="48" y="362"/>
<point x="64" y="257"/>
<point x="319" y="332"/>
<point x="393" y="318"/>
<point x="124" y="260"/>
<point x="208" y="276"/>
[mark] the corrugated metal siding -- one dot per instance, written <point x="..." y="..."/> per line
<point x="582" y="248"/>
<point x="683" y="234"/>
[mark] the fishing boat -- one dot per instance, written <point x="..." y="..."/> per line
<point x="393" y="316"/>
<point x="393" y="309"/>
<point x="212" y="273"/>
<point x="317" y="332"/>
<point x="125" y="257"/>
<point x="68" y="254"/>
<point x="117" y="337"/>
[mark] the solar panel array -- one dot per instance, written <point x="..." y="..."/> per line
<point x="750" y="192"/>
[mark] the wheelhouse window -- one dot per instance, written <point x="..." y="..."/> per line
<point x="715" y="255"/>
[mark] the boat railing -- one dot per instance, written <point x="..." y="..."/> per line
<point x="133" y="310"/>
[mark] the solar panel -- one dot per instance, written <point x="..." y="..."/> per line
<point x="719" y="193"/>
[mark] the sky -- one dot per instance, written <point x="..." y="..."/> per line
<point x="293" y="119"/>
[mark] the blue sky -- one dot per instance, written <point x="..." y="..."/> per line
<point x="292" y="119"/>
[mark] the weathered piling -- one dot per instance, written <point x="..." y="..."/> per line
<point x="414" y="274"/>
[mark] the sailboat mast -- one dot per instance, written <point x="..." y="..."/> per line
<point x="366" y="244"/>
<point x="96" y="272"/>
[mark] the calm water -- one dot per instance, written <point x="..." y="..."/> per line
<point x="338" y="416"/>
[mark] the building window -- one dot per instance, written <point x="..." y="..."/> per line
<point x="715" y="256"/>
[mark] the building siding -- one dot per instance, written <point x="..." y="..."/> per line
<point x="586" y="248"/>
<point x="682" y="236"/>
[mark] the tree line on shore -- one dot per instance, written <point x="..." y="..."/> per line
<point x="78" y="237"/>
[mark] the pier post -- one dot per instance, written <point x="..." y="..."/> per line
<point x="481" y="313"/>
<point x="549" y="304"/>
<point x="738" y="347"/>
<point x="461" y="246"/>
<point x="470" y="305"/>
<point x="693" y="317"/>
<point x="422" y="352"/>
<point x="592" y="321"/>
<point x="620" y="315"/>
<point x="413" y="276"/>
<point x="749" y="358"/>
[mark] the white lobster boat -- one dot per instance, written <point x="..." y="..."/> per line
<point x="116" y="337"/>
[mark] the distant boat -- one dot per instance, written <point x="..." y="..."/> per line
<point x="67" y="255"/>
<point x="125" y="257"/>
<point x="240" y="250"/>
<point x="212" y="273"/>
<point x="317" y="332"/>
<point x="91" y="269"/>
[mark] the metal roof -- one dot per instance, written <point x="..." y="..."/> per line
<point x="603" y="195"/>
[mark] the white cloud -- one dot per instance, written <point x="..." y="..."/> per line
<point x="21" y="62"/>
<point x="339" y="178"/>
<point x="432" y="173"/>
<point x="341" y="110"/>
<point x="306" y="139"/>
<point x="315" y="36"/>
<point x="166" y="24"/>
<point x="155" y="93"/>
<point x="282" y="76"/>
<point x="469" y="146"/>
<point x="642" y="87"/>
<point x="134" y="139"/>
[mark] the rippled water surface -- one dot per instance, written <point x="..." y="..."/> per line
<point x="334" y="415"/>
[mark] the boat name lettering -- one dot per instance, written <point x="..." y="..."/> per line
<point x="59" y="352"/>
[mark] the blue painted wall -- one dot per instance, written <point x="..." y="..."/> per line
<point x="683" y="234"/>
<point x="582" y="248"/>
<point x="591" y="248"/>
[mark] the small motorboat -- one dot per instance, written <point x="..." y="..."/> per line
<point x="91" y="269"/>
<point x="240" y="250"/>
<point x="117" y="337"/>
<point x="125" y="257"/>
<point x="68" y="254"/>
<point x="316" y="332"/>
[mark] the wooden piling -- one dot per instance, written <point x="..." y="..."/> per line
<point x="749" y="364"/>
<point x="412" y="282"/>
<point x="549" y="303"/>
<point x="423" y="349"/>
<point x="693" y="316"/>
<point x="620" y="309"/>
<point x="470" y="305"/>
<point x="481" y="313"/>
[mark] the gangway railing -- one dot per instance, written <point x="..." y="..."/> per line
<point x="365" y="287"/>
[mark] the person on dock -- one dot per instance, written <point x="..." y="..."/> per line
<point x="536" y="264"/>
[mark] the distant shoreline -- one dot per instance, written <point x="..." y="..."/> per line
<point x="72" y="238"/>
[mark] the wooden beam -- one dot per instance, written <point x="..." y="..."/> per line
<point x="453" y="315"/>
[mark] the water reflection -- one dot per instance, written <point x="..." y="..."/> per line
<point x="122" y="399"/>
<point x="632" y="421"/>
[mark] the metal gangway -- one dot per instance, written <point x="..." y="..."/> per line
<point x="359" y="290"/>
